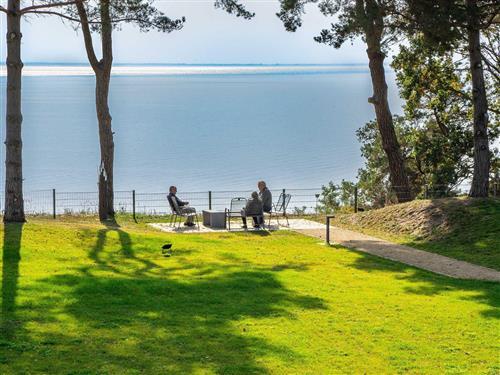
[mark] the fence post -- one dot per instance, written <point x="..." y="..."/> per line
<point x="133" y="204"/>
<point x="355" y="199"/>
<point x="284" y="208"/>
<point x="53" y="203"/>
<point x="327" y="237"/>
<point x="210" y="199"/>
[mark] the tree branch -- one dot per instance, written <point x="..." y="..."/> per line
<point x="494" y="111"/>
<point x="461" y="93"/>
<point x="50" y="5"/>
<point x="491" y="21"/>
<point x="53" y="13"/>
<point x="2" y="9"/>
<point x="106" y="34"/>
<point x="137" y="20"/>
<point x="87" y="36"/>
<point x="442" y="126"/>
<point x="234" y="7"/>
<point x="494" y="71"/>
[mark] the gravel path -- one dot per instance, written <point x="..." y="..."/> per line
<point x="405" y="254"/>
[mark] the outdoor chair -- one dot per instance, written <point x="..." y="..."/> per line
<point x="178" y="214"/>
<point x="236" y="207"/>
<point x="279" y="208"/>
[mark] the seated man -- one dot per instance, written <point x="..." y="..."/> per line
<point x="183" y="206"/>
<point x="266" y="197"/>
<point x="254" y="209"/>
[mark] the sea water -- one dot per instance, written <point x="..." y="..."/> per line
<point x="198" y="127"/>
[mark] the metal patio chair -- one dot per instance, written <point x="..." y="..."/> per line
<point x="178" y="214"/>
<point x="279" y="208"/>
<point x="237" y="204"/>
<point x="173" y="214"/>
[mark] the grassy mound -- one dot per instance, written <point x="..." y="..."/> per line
<point x="85" y="298"/>
<point x="462" y="228"/>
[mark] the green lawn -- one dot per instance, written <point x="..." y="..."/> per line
<point x="83" y="298"/>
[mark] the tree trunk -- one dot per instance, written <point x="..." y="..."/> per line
<point x="14" y="202"/>
<point x="102" y="70"/>
<point x="106" y="192"/>
<point x="480" y="179"/>
<point x="390" y="144"/>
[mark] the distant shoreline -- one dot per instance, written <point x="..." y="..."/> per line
<point x="60" y="69"/>
<point x="48" y="63"/>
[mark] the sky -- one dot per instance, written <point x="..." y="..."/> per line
<point x="209" y="36"/>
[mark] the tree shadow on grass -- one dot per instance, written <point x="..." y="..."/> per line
<point x="431" y="284"/>
<point x="125" y="254"/>
<point x="183" y="325"/>
<point x="10" y="274"/>
<point x="137" y="318"/>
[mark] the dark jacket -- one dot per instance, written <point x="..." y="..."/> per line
<point x="171" y="197"/>
<point x="267" y="199"/>
<point x="253" y="207"/>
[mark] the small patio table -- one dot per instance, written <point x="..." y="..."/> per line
<point x="214" y="219"/>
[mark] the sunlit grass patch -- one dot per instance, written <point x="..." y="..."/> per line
<point x="90" y="299"/>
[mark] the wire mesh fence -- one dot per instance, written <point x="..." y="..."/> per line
<point x="303" y="201"/>
<point x="52" y="202"/>
<point x="157" y="204"/>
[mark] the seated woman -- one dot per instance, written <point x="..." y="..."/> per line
<point x="253" y="208"/>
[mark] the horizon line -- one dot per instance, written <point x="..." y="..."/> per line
<point x="196" y="64"/>
<point x="66" y="69"/>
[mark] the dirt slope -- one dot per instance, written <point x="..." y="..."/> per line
<point x="431" y="219"/>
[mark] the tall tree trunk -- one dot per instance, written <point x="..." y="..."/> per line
<point x="102" y="71"/>
<point x="390" y="144"/>
<point x="103" y="77"/>
<point x="480" y="179"/>
<point x="106" y="192"/>
<point x="14" y="202"/>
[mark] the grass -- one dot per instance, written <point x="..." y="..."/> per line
<point x="84" y="298"/>
<point x="465" y="229"/>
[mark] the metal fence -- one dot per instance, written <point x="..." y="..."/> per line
<point x="53" y="202"/>
<point x="303" y="201"/>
